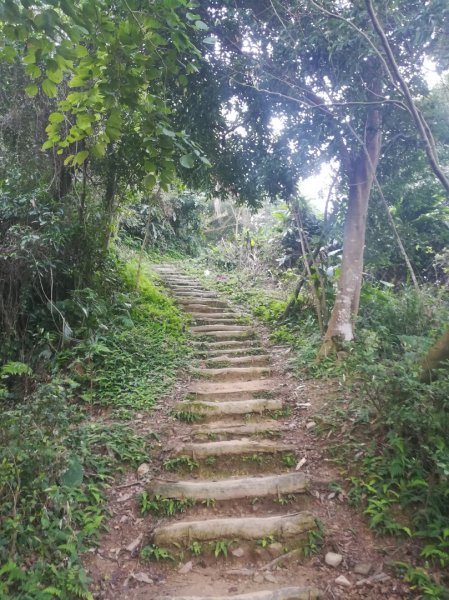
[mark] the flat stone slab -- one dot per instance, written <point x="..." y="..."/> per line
<point x="218" y="327"/>
<point x="243" y="352"/>
<point x="238" y="390"/>
<point x="290" y="593"/>
<point x="232" y="488"/>
<point x="238" y="361"/>
<point x="233" y="407"/>
<point x="223" y="334"/>
<point x="232" y="448"/>
<point x="281" y="527"/>
<point x="201" y="301"/>
<point x="238" y="428"/>
<point x="239" y="373"/>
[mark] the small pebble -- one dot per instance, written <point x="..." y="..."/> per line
<point x="333" y="559"/>
<point x="310" y="425"/>
<point x="363" y="568"/>
<point x="238" y="552"/>
<point x="183" y="569"/>
<point x="143" y="470"/>
<point x="258" y="578"/>
<point x="341" y="580"/>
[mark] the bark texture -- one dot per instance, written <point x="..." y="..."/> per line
<point x="361" y="173"/>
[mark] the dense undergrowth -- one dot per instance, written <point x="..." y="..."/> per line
<point x="397" y="442"/>
<point x="56" y="462"/>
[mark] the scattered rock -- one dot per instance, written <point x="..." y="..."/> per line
<point x="258" y="578"/>
<point x="143" y="470"/>
<point x="142" y="577"/>
<point x="363" y="568"/>
<point x="186" y="568"/>
<point x="310" y="425"/>
<point x="378" y="578"/>
<point x="333" y="559"/>
<point x="238" y="552"/>
<point x="269" y="577"/>
<point x="134" y="544"/>
<point x="240" y="572"/>
<point x="301" y="463"/>
<point x="341" y="580"/>
<point x="275" y="549"/>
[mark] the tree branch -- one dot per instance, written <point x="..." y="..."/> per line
<point x="418" y="118"/>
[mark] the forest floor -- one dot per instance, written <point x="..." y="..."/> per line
<point x="148" y="556"/>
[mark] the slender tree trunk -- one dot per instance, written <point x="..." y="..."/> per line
<point x="437" y="354"/>
<point x="315" y="296"/>
<point x="361" y="176"/>
<point x="109" y="197"/>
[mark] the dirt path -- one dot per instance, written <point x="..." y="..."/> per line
<point x="260" y="511"/>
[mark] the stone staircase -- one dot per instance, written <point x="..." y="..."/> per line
<point x="232" y="404"/>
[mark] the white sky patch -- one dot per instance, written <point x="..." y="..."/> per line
<point x="430" y="73"/>
<point x="277" y="124"/>
<point x="316" y="187"/>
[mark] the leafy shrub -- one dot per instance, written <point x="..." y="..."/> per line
<point x="53" y="471"/>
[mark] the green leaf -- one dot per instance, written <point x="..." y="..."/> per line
<point x="73" y="477"/>
<point x="68" y="159"/>
<point x="210" y="39"/>
<point x="76" y="81"/>
<point x="47" y="145"/>
<point x="33" y="71"/>
<point x="149" y="181"/>
<point x="99" y="149"/>
<point x="9" y="54"/>
<point x="201" y="25"/>
<point x="56" y="117"/>
<point x="31" y="90"/>
<point x="55" y="76"/>
<point x="187" y="161"/>
<point x="84" y="121"/>
<point x="80" y="157"/>
<point x="49" y="88"/>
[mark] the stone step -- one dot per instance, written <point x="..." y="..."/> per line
<point x="181" y="281"/>
<point x="235" y="428"/>
<point x="218" y="327"/>
<point x="203" y="302"/>
<point x="228" y="344"/>
<point x="205" y="308"/>
<point x="281" y="527"/>
<point x="243" y="390"/>
<point x="232" y="448"/>
<point x="218" y="315"/>
<point x="195" y="294"/>
<point x="233" y="361"/>
<point x="216" y="320"/>
<point x="187" y="288"/>
<point x="232" y="373"/>
<point x="243" y="352"/>
<point x="229" y="408"/>
<point x="290" y="593"/>
<point x="225" y="335"/>
<point x="233" y="488"/>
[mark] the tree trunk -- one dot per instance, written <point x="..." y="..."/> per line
<point x="437" y="354"/>
<point x="361" y="176"/>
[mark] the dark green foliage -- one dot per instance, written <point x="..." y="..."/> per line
<point x="123" y="350"/>
<point x="54" y="468"/>
<point x="133" y="342"/>
<point x="160" y="506"/>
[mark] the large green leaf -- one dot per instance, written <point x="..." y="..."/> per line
<point x="73" y="476"/>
